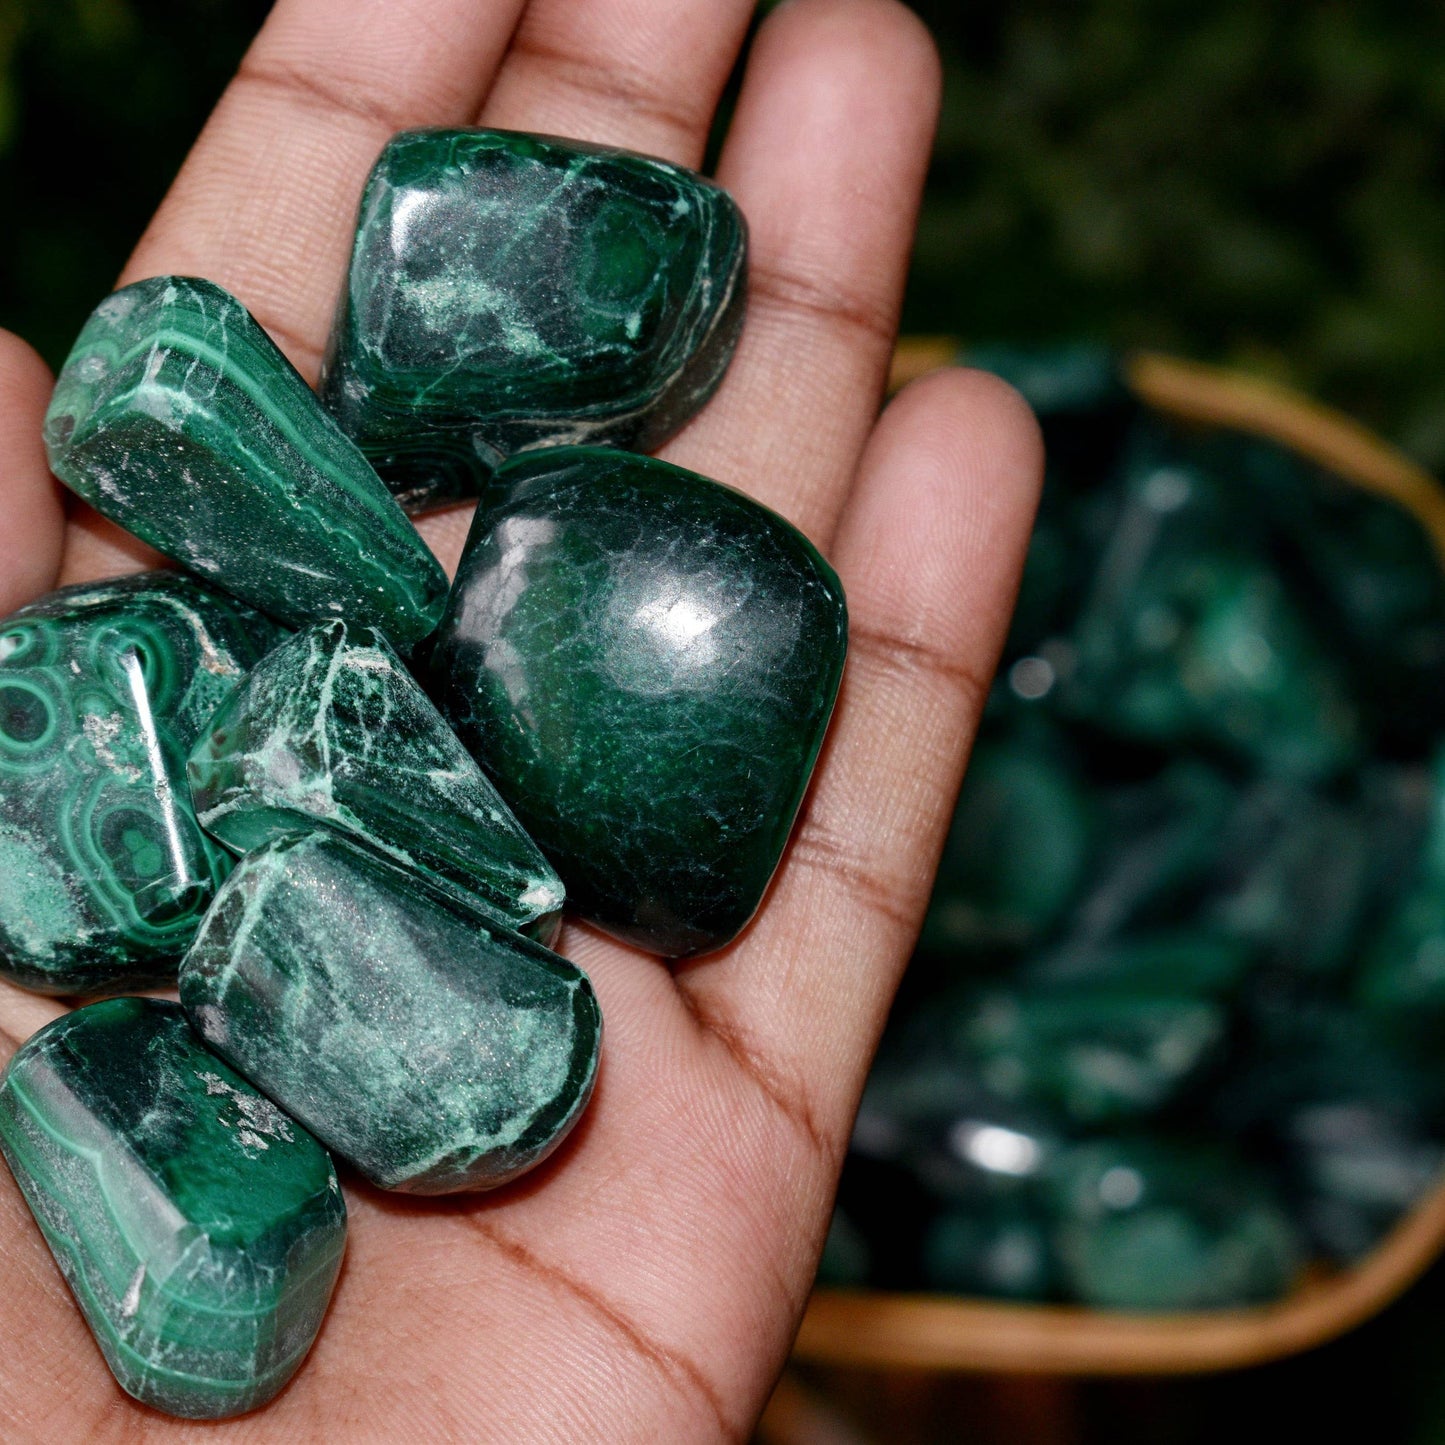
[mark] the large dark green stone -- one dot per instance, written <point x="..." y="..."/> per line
<point x="511" y="291"/>
<point x="645" y="662"/>
<point x="104" y="874"/>
<point x="433" y="1049"/>
<point x="176" y="416"/>
<point x="330" y="728"/>
<point x="200" y="1228"/>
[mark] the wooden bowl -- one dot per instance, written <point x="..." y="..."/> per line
<point x="875" y="1329"/>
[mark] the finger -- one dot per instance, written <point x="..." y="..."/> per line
<point x="929" y="550"/>
<point x="826" y="156"/>
<point x="642" y="74"/>
<point x="30" y="540"/>
<point x="265" y="204"/>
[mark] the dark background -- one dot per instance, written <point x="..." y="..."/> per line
<point x="1250" y="182"/>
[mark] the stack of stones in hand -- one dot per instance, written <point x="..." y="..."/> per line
<point x="346" y="805"/>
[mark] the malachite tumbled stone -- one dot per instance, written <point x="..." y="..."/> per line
<point x="199" y="1227"/>
<point x="1147" y="1224"/>
<point x="433" y="1049"/>
<point x="1191" y="636"/>
<point x="330" y="728"/>
<point x="645" y="662"/>
<point x="176" y="416"/>
<point x="1000" y="1251"/>
<point x="104" y="873"/>
<point x="511" y="291"/>
<point x="1018" y="848"/>
<point x="1096" y="1055"/>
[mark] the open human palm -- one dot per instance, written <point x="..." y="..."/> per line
<point x="645" y="1283"/>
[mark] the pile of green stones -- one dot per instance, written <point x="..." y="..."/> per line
<point x="345" y="805"/>
<point x="1175" y="1030"/>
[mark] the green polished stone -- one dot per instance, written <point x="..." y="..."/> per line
<point x="1018" y="848"/>
<point x="1292" y="878"/>
<point x="200" y="1228"/>
<point x="330" y="728"/>
<point x="1403" y="969"/>
<point x="176" y="416"/>
<point x="1151" y="1225"/>
<point x="645" y="662"/>
<point x="964" y="1143"/>
<point x="104" y="874"/>
<point x="1349" y="1112"/>
<point x="433" y="1049"/>
<point x="1191" y="637"/>
<point x="1095" y="1055"/>
<point x="1159" y="837"/>
<point x="998" y="1252"/>
<point x="511" y="291"/>
<point x="1371" y="574"/>
<point x="1179" y="961"/>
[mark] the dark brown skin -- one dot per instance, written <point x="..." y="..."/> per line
<point x="646" y="1283"/>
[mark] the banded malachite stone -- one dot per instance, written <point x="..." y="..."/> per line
<point x="200" y="1228"/>
<point x="331" y="729"/>
<point x="645" y="662"/>
<point x="511" y="291"/>
<point x="176" y="416"/>
<point x="433" y="1049"/>
<point x="104" y="874"/>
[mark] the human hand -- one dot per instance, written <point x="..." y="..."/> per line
<point x="645" y="1284"/>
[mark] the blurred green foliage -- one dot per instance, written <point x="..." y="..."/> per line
<point x="1253" y="181"/>
<point x="99" y="101"/>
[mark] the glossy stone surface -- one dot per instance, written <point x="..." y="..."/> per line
<point x="200" y="1228"/>
<point x="511" y="291"/>
<point x="1147" y="1225"/>
<point x="645" y="662"/>
<point x="1095" y="1055"/>
<point x="433" y="1049"/>
<point x="1190" y="635"/>
<point x="999" y="1252"/>
<point x="330" y="728"/>
<point x="1403" y="972"/>
<point x="1348" y="1112"/>
<point x="176" y="416"/>
<point x="1179" y="961"/>
<point x="104" y="874"/>
<point x="1371" y="573"/>
<point x="1017" y="851"/>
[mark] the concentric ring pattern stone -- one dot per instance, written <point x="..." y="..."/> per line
<point x="645" y="662"/>
<point x="332" y="729"/>
<point x="176" y="416"/>
<point x="511" y="291"/>
<point x="433" y="1049"/>
<point x="104" y="873"/>
<point x="200" y="1229"/>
